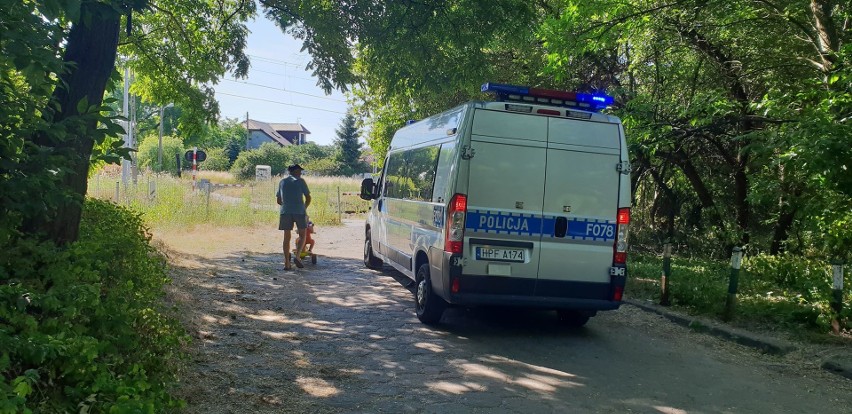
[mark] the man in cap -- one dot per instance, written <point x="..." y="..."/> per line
<point x="294" y="198"/>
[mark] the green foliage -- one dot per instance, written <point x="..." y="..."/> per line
<point x="268" y="154"/>
<point x="148" y="149"/>
<point x="279" y="158"/>
<point x="176" y="206"/>
<point x="83" y="327"/>
<point x="217" y="160"/>
<point x="181" y="48"/>
<point x="736" y="112"/>
<point x="322" y="167"/>
<point x="223" y="133"/>
<point x="786" y="291"/>
<point x="306" y="153"/>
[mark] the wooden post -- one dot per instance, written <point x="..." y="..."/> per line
<point x="667" y="272"/>
<point x="731" y="302"/>
<point x="339" y="213"/>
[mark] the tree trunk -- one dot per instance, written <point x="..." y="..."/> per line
<point x="782" y="228"/>
<point x="91" y="48"/>
<point x="741" y="204"/>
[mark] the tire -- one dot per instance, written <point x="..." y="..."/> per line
<point x="372" y="262"/>
<point x="572" y="318"/>
<point x="430" y="307"/>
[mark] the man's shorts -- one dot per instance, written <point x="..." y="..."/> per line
<point x="285" y="221"/>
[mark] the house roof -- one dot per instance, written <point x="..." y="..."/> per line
<point x="268" y="130"/>
<point x="290" y="127"/>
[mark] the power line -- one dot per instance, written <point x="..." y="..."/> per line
<point x="270" y="60"/>
<point x="280" y="74"/>
<point x="285" y="90"/>
<point x="281" y="103"/>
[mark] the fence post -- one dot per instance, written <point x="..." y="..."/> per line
<point x="837" y="294"/>
<point x="207" y="195"/>
<point x="339" y="213"/>
<point x="731" y="302"/>
<point x="117" y="191"/>
<point x="667" y="273"/>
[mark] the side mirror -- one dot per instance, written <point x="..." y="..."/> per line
<point x="367" y="189"/>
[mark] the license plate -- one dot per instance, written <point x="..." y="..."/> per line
<point x="500" y="254"/>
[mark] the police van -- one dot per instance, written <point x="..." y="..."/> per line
<point x="522" y="201"/>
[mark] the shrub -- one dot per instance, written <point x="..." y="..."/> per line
<point x="147" y="155"/>
<point x="217" y="160"/>
<point x="81" y="327"/>
<point x="268" y="154"/>
<point x="322" y="167"/>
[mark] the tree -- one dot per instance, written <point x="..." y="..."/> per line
<point x="149" y="149"/>
<point x="348" y="148"/>
<point x="735" y="111"/>
<point x="57" y="63"/>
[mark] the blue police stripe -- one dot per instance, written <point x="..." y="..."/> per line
<point x="531" y="224"/>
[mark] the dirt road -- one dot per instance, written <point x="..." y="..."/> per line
<point x="336" y="337"/>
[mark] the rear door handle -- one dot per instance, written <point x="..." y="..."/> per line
<point x="561" y="227"/>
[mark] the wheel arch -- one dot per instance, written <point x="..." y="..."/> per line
<point x="419" y="259"/>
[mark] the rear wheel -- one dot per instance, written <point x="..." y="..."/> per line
<point x="430" y="306"/>
<point x="572" y="318"/>
<point x="372" y="262"/>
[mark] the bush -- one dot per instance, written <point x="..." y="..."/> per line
<point x="787" y="291"/>
<point x="147" y="155"/>
<point x="322" y="167"/>
<point x="268" y="154"/>
<point x="217" y="160"/>
<point x="81" y="327"/>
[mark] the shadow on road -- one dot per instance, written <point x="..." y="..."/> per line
<point x="336" y="337"/>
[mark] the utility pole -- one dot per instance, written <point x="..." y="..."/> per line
<point x="125" y="164"/>
<point x="248" y="133"/>
<point x="160" y="146"/>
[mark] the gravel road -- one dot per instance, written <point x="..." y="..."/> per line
<point x="336" y="337"/>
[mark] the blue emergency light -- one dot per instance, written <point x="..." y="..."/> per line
<point x="589" y="101"/>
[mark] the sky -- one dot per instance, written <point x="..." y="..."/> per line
<point x="279" y="89"/>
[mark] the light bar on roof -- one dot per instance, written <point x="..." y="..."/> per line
<point x="548" y="96"/>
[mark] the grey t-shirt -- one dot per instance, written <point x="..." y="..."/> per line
<point x="291" y="190"/>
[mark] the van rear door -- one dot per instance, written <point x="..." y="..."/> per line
<point x="503" y="226"/>
<point x="580" y="206"/>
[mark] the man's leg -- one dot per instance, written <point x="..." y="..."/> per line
<point x="286" y="246"/>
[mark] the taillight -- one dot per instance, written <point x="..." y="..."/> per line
<point x="454" y="240"/>
<point x="619" y="256"/>
<point x="618" y="293"/>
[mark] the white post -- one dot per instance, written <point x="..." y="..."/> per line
<point x="160" y="144"/>
<point x="837" y="287"/>
<point x="194" y="164"/>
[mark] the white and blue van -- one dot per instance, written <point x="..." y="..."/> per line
<point x="522" y="201"/>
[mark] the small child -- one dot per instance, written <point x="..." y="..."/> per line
<point x="309" y="241"/>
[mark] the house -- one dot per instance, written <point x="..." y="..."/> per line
<point x="281" y="134"/>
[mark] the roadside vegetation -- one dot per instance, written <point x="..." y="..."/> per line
<point x="789" y="295"/>
<point x="175" y="205"/>
<point x="84" y="328"/>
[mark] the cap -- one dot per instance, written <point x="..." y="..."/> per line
<point x="295" y="167"/>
